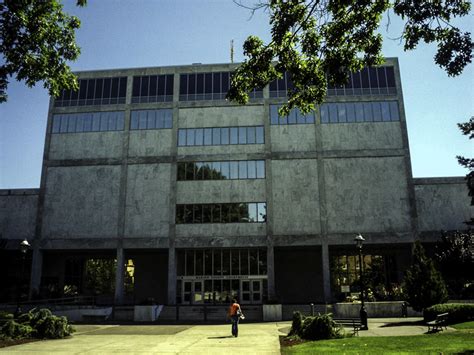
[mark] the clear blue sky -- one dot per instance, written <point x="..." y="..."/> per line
<point x="142" y="33"/>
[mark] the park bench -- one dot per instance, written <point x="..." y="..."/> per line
<point x="440" y="322"/>
<point x="353" y="323"/>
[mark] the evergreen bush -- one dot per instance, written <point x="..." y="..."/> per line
<point x="423" y="284"/>
<point x="296" y="323"/>
<point x="14" y="330"/>
<point x="314" y="328"/>
<point x="458" y="312"/>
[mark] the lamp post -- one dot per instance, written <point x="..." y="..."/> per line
<point x="359" y="240"/>
<point x="24" y="247"/>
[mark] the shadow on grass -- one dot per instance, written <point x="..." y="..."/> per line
<point x="222" y="337"/>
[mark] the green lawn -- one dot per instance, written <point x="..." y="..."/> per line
<point x="446" y="342"/>
<point x="463" y="326"/>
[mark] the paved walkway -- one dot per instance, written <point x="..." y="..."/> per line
<point x="254" y="338"/>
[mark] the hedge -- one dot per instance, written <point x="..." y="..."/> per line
<point x="458" y="312"/>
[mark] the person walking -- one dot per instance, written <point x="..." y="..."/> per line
<point x="235" y="313"/>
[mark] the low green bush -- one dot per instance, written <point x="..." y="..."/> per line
<point x="37" y="323"/>
<point x="458" y="312"/>
<point x="14" y="330"/>
<point x="314" y="328"/>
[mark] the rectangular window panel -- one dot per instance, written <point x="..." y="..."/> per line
<point x="216" y="136"/>
<point x="377" y="112"/>
<point x="224" y="136"/>
<point x="260" y="169"/>
<point x="151" y="120"/>
<point x="382" y="77"/>
<point x="168" y="118"/>
<point x="182" y="137"/>
<point x="394" y="114"/>
<point x="234" y="134"/>
<point x="183" y="84"/>
<point x="234" y="170"/>
<point x="390" y="76"/>
<point x="292" y="119"/>
<point x="274" y="114"/>
<point x="191" y="84"/>
<point x="333" y="113"/>
<point x="216" y="80"/>
<point x="359" y="111"/>
<point x="341" y="112"/>
<point x="96" y="121"/>
<point x="243" y="213"/>
<point x="242" y="135"/>
<point x="123" y="88"/>
<point x="154" y="85"/>
<point x="365" y="78"/>
<point x="200" y="84"/>
<point x="206" y="213"/>
<point x="252" y="169"/>
<point x="373" y="78"/>
<point x="111" y="121"/>
<point x="161" y="85"/>
<point x="190" y="137"/>
<point x="88" y="122"/>
<point x="206" y="171"/>
<point x="169" y="87"/>
<point x="56" y="123"/>
<point x="104" y="121"/>
<point x="190" y="169"/>
<point x="107" y="88"/>
<point x="324" y="113"/>
<point x="350" y="112"/>
<point x="181" y="171"/>
<point x="225" y="82"/>
<point x="252" y="212"/>
<point x="208" y="83"/>
<point x="368" y="116"/>
<point x="262" y="212"/>
<point x="251" y="135"/>
<point x="136" y="86"/>
<point x="82" y="89"/>
<point x="90" y="88"/>
<point x="197" y="209"/>
<point x="142" y="120"/>
<point x="225" y="170"/>
<point x="216" y="170"/>
<point x="216" y="213"/>
<point x="243" y="169"/>
<point x="63" y="125"/>
<point x="199" y="136"/>
<point x="260" y="135"/>
<point x="71" y="126"/>
<point x="207" y="136"/>
<point x="385" y="111"/>
<point x="115" y="87"/>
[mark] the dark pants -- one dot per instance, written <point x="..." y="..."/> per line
<point x="235" y="325"/>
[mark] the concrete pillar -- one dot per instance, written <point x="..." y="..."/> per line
<point x="171" y="276"/>
<point x="326" y="271"/>
<point x="36" y="270"/>
<point x="119" y="277"/>
<point x="271" y="272"/>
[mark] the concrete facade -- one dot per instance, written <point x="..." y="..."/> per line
<point x="114" y="194"/>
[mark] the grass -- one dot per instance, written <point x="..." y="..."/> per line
<point x="454" y="342"/>
<point x="459" y="342"/>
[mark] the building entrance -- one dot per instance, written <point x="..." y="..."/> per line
<point x="217" y="276"/>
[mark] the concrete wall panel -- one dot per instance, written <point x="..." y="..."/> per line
<point x="18" y="213"/>
<point x="81" y="202"/>
<point x="366" y="195"/>
<point x="86" y="145"/>
<point x="221" y="116"/>
<point x="295" y="197"/>
<point x="150" y="142"/>
<point x="354" y="136"/>
<point x="221" y="191"/>
<point x="234" y="230"/>
<point x="442" y="205"/>
<point x="147" y="209"/>
<point x="293" y="138"/>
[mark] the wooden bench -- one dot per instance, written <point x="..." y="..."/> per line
<point x="440" y="322"/>
<point x="353" y="323"/>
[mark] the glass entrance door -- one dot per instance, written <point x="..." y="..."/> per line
<point x="193" y="292"/>
<point x="251" y="291"/>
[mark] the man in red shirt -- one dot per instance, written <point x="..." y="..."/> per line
<point x="235" y="313"/>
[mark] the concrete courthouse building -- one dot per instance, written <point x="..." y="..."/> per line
<point x="195" y="199"/>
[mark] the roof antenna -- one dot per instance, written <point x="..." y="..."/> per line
<point x="232" y="51"/>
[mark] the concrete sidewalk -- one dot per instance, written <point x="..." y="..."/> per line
<point x="254" y="338"/>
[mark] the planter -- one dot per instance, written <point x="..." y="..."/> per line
<point x="272" y="312"/>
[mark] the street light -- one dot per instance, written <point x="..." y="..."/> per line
<point x="24" y="247"/>
<point x="359" y="240"/>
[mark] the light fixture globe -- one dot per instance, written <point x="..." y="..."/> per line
<point x="359" y="240"/>
<point x="24" y="246"/>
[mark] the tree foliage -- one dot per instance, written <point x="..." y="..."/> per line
<point x="423" y="284"/>
<point x="467" y="129"/>
<point x="37" y="39"/>
<point x="321" y="41"/>
<point x="455" y="259"/>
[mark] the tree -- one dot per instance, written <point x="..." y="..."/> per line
<point x="320" y="41"/>
<point x="36" y="40"/>
<point x="424" y="285"/>
<point x="467" y="129"/>
<point x="454" y="257"/>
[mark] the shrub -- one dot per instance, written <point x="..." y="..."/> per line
<point x="39" y="324"/>
<point x="296" y="324"/>
<point x="14" y="330"/>
<point x="314" y="328"/>
<point x="424" y="285"/>
<point x="320" y="327"/>
<point x="458" y="312"/>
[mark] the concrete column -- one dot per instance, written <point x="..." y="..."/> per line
<point x="271" y="272"/>
<point x="119" y="277"/>
<point x="171" y="276"/>
<point x="36" y="270"/>
<point x="326" y="270"/>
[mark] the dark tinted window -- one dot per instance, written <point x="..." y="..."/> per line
<point x="208" y="83"/>
<point x="90" y="88"/>
<point x="153" y="85"/>
<point x="200" y="84"/>
<point x="183" y="84"/>
<point x="98" y="88"/>
<point x="144" y="86"/>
